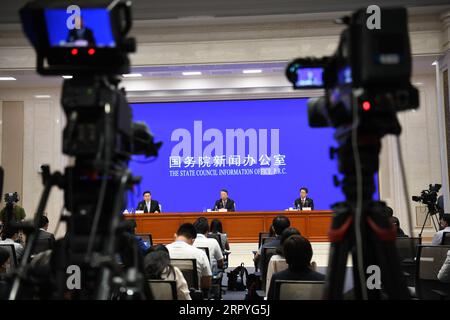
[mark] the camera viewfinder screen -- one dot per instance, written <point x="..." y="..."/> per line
<point x="91" y="28"/>
<point x="309" y="77"/>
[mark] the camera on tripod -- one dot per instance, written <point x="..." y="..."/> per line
<point x="89" y="42"/>
<point x="370" y="71"/>
<point x="366" y="82"/>
<point x="429" y="197"/>
<point x="11" y="198"/>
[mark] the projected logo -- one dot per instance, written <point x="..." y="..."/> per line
<point x="230" y="152"/>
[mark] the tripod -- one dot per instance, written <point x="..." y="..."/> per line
<point x="430" y="214"/>
<point x="377" y="232"/>
<point x="98" y="134"/>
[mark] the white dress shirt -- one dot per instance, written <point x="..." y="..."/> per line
<point x="437" y="239"/>
<point x="215" y="253"/>
<point x="182" y="250"/>
<point x="182" y="286"/>
<point x="17" y="247"/>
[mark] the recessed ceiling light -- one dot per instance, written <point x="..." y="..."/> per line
<point x="67" y="77"/>
<point x="252" y="71"/>
<point x="7" y="79"/>
<point x="132" y="75"/>
<point x="42" y="96"/>
<point x="191" y="73"/>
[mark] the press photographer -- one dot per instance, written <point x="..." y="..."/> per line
<point x="429" y="197"/>
<point x="12" y="210"/>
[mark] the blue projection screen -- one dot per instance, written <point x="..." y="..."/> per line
<point x="261" y="151"/>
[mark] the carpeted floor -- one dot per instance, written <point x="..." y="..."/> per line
<point x="240" y="295"/>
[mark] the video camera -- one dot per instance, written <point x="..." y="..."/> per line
<point x="366" y="82"/>
<point x="370" y="71"/>
<point x="429" y="197"/>
<point x="11" y="197"/>
<point x="88" y="41"/>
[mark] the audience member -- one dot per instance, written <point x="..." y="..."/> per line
<point x="157" y="266"/>
<point x="399" y="232"/>
<point x="395" y="222"/>
<point x="215" y="253"/>
<point x="10" y="236"/>
<point x="4" y="260"/>
<point x="182" y="248"/>
<point x="298" y="253"/>
<point x="444" y="273"/>
<point x="279" y="224"/>
<point x="272" y="231"/>
<point x="445" y="227"/>
<point x="43" y="233"/>
<point x="277" y="262"/>
<point x="216" y="228"/>
<point x="142" y="245"/>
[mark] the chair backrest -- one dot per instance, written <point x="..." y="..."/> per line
<point x="206" y="249"/>
<point x="429" y="261"/>
<point x="146" y="237"/>
<point x="42" y="245"/>
<point x="446" y="238"/>
<point x="218" y="239"/>
<point x="265" y="240"/>
<point x="298" y="290"/>
<point x="407" y="248"/>
<point x="13" y="263"/>
<point x="189" y="269"/>
<point x="163" y="289"/>
<point x="262" y="235"/>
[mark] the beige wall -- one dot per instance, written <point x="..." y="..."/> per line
<point x="12" y="146"/>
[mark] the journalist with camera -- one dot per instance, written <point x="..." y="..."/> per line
<point x="12" y="210"/>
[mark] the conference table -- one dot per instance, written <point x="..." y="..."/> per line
<point x="240" y="227"/>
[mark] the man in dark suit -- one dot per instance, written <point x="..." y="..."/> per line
<point x="304" y="201"/>
<point x="224" y="202"/>
<point x="148" y="205"/>
<point x="44" y="234"/>
<point x="82" y="33"/>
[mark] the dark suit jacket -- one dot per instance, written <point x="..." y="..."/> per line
<point x="154" y="206"/>
<point x="309" y="203"/>
<point x="47" y="235"/>
<point x="230" y="205"/>
<point x="81" y="34"/>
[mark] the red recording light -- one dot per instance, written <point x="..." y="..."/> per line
<point x="91" y="51"/>
<point x="74" y="51"/>
<point x="366" y="105"/>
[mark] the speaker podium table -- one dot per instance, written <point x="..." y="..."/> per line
<point x="240" y="227"/>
